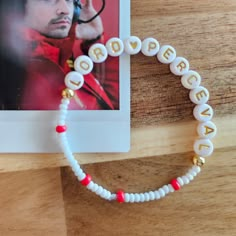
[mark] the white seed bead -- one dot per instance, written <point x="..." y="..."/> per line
<point x="65" y="101"/>
<point x="99" y="190"/>
<point x="113" y="197"/>
<point x="63" y="108"/>
<point x="104" y="194"/>
<point x="142" y="197"/>
<point x="131" y="195"/>
<point x="189" y="176"/>
<point x="136" y="197"/>
<point x="185" y="179"/>
<point x="171" y="189"/>
<point x="150" y="47"/>
<point x="61" y="122"/>
<point x="108" y="195"/>
<point x="90" y="185"/>
<point x="157" y="194"/>
<point x="203" y="112"/>
<point x="98" y="53"/>
<point x="95" y="187"/>
<point x="162" y="192"/>
<point x="166" y="54"/>
<point x="179" y="66"/>
<point x="166" y="189"/>
<point x="191" y="80"/>
<point x="127" y="197"/>
<point x="147" y="197"/>
<point x="115" y="47"/>
<point x="207" y="130"/>
<point x="132" y="45"/>
<point x="81" y="176"/>
<point x="74" y="80"/>
<point x="203" y="147"/>
<point x="193" y="173"/>
<point x="199" y="95"/>
<point x="63" y="112"/>
<point x="83" y="65"/>
<point x="78" y="171"/>
<point x="180" y="181"/>
<point x="152" y="195"/>
<point x="197" y="169"/>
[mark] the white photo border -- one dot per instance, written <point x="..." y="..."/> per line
<point x="88" y="132"/>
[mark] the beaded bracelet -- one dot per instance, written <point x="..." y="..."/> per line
<point x="190" y="79"/>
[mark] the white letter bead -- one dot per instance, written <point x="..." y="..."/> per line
<point x="83" y="65"/>
<point x="191" y="80"/>
<point x="207" y="130"/>
<point x="150" y="47"/>
<point x="203" y="112"/>
<point x="115" y="47"/>
<point x="98" y="53"/>
<point x="166" y="54"/>
<point x="179" y="66"/>
<point x="74" y="80"/>
<point x="132" y="45"/>
<point x="199" y="95"/>
<point x="203" y="147"/>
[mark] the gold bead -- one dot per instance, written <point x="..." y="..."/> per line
<point x="198" y="161"/>
<point x="68" y="93"/>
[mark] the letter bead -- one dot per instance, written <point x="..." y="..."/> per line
<point x="150" y="47"/>
<point x="207" y="130"/>
<point x="98" y="53"/>
<point x="199" y="95"/>
<point x="74" y="80"/>
<point x="203" y="147"/>
<point x="132" y="45"/>
<point x="179" y="66"/>
<point x="191" y="80"/>
<point x="115" y="47"/>
<point x="166" y="54"/>
<point x="83" y="65"/>
<point x="203" y="112"/>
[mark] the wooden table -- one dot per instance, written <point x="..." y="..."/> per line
<point x="40" y="195"/>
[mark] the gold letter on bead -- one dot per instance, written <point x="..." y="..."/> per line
<point x="182" y="66"/>
<point x="201" y="146"/>
<point x="200" y="94"/>
<point x="167" y="53"/>
<point x="204" y="113"/>
<point x="208" y="130"/>
<point x="191" y="78"/>
<point x="98" y="52"/>
<point x="115" y="45"/>
<point x="84" y="65"/>
<point x="151" y="46"/>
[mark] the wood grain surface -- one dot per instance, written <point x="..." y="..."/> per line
<point x="41" y="196"/>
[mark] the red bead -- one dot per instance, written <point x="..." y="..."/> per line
<point x="120" y="196"/>
<point x="175" y="184"/>
<point x="86" y="180"/>
<point x="61" y="128"/>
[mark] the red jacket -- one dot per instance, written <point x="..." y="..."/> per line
<point x="47" y="66"/>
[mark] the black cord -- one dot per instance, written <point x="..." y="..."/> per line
<point x="99" y="12"/>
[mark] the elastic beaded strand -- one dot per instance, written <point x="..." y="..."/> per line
<point x="190" y="80"/>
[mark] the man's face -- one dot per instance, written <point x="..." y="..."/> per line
<point x="52" y="18"/>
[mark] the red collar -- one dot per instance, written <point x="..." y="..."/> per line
<point x="40" y="46"/>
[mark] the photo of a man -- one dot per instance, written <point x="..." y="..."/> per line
<point x="41" y="39"/>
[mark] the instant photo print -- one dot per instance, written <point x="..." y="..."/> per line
<point x="40" y="42"/>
